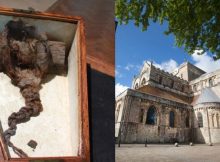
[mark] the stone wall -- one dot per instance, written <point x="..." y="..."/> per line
<point x="150" y="75"/>
<point x="182" y="72"/>
<point x="176" y="92"/>
<point x="118" y="114"/>
<point x="210" y="131"/>
<point x="194" y="72"/>
<point x="205" y="81"/>
<point x="168" y="80"/>
<point x="135" y="130"/>
<point x="188" y="71"/>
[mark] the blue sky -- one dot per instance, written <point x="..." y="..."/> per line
<point x="134" y="46"/>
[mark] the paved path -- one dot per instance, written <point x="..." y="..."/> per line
<point x="167" y="153"/>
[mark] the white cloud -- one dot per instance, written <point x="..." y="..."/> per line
<point x="119" y="88"/>
<point x="129" y="67"/>
<point x="118" y="74"/>
<point x="168" y="66"/>
<point x="205" y="62"/>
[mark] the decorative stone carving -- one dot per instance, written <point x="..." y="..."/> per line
<point x="167" y="82"/>
<point x="155" y="77"/>
<point x="177" y="86"/>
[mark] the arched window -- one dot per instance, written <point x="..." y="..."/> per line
<point x="213" y="124"/>
<point x="143" y="82"/>
<point x="172" y="83"/>
<point x="160" y="79"/>
<point x="136" y="86"/>
<point x="151" y="116"/>
<point x="194" y="87"/>
<point x="202" y="84"/>
<point x="200" y="119"/>
<point x="172" y="119"/>
<point x="182" y="88"/>
<point x="210" y="82"/>
<point x="187" y="120"/>
<point x="217" y="120"/>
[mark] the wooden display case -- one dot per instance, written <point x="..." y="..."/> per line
<point x="73" y="119"/>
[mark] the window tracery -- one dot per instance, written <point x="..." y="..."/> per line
<point x="200" y="119"/>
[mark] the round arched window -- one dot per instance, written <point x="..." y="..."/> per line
<point x="210" y="82"/>
<point x="217" y="120"/>
<point x="194" y="87"/>
<point x="187" y="120"/>
<point x="143" y="81"/>
<point x="151" y="116"/>
<point x="200" y="119"/>
<point x="136" y="86"/>
<point x="172" y="119"/>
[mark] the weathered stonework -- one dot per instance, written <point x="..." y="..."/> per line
<point x="163" y="107"/>
<point x="137" y="131"/>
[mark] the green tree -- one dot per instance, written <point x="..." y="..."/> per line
<point x="194" y="23"/>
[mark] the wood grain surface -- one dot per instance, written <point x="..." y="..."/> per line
<point x="99" y="29"/>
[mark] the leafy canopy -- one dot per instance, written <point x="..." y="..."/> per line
<point x="194" y="23"/>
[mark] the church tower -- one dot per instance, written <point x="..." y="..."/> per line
<point x="188" y="71"/>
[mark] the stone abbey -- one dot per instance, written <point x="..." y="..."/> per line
<point x="161" y="107"/>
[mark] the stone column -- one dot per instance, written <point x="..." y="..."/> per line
<point x="208" y="122"/>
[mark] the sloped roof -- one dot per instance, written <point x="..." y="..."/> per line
<point x="207" y="95"/>
<point x="187" y="63"/>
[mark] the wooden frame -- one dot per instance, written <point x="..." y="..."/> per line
<point x="84" y="149"/>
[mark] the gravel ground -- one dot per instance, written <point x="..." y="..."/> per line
<point x="167" y="153"/>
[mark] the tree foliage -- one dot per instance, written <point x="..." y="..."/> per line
<point x="194" y="23"/>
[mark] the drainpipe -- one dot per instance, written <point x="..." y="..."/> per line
<point x="210" y="141"/>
